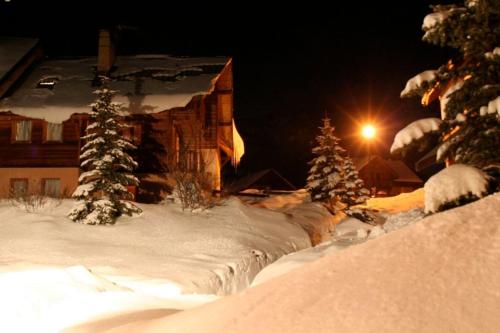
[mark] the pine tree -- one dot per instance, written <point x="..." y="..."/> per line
<point x="325" y="176"/>
<point x="469" y="83"/>
<point x="102" y="194"/>
<point x="355" y="192"/>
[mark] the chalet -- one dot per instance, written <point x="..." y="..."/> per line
<point x="170" y="104"/>
<point x="386" y="177"/>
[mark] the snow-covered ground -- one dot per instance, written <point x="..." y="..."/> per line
<point x="439" y="275"/>
<point x="55" y="273"/>
<point x="351" y="231"/>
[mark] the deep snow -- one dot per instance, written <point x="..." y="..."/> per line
<point x="439" y="275"/>
<point x="56" y="273"/>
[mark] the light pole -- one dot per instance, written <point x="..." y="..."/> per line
<point x="368" y="132"/>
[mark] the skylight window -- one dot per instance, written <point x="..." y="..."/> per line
<point x="47" y="83"/>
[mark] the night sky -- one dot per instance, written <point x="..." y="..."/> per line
<point x="292" y="63"/>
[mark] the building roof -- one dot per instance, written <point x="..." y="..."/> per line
<point x="405" y="174"/>
<point x="146" y="84"/>
<point x="401" y="170"/>
<point x="12" y="51"/>
<point x="264" y="178"/>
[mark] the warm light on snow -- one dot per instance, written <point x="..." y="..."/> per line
<point x="368" y="131"/>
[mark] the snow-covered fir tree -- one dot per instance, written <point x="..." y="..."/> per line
<point x="325" y="182"/>
<point x="355" y="193"/>
<point x="102" y="194"/>
<point x="468" y="86"/>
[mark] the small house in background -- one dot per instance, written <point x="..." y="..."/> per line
<point x="174" y="108"/>
<point x="386" y="177"/>
<point x="262" y="183"/>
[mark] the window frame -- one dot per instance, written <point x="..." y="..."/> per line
<point x="43" y="182"/>
<point x="13" y="180"/>
<point x="14" y="131"/>
<point x="46" y="132"/>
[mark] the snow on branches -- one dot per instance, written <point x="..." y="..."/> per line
<point x="102" y="194"/>
<point x="332" y="176"/>
<point x="413" y="132"/>
<point x="468" y="87"/>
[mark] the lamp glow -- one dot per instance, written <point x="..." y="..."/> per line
<point x="368" y="131"/>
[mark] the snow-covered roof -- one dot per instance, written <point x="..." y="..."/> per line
<point x="452" y="183"/>
<point x="12" y="50"/>
<point x="145" y="84"/>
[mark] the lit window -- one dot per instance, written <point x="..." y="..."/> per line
<point x="54" y="132"/>
<point x="51" y="187"/>
<point x="18" y="187"/>
<point x="47" y="83"/>
<point x="22" y="131"/>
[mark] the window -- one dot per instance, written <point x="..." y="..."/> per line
<point x="22" y="131"/>
<point x="133" y="133"/>
<point x="51" y="187"/>
<point x="53" y="132"/>
<point x="18" y="187"/>
<point x="47" y="83"/>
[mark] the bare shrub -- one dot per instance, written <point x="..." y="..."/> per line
<point x="193" y="184"/>
<point x="35" y="201"/>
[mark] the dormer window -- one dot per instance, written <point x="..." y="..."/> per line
<point x="47" y="83"/>
<point x="53" y="132"/>
<point x="21" y="131"/>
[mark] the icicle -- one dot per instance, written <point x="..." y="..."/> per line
<point x="238" y="147"/>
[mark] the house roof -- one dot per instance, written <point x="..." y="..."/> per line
<point x="401" y="170"/>
<point x="405" y="174"/>
<point x="12" y="51"/>
<point x="274" y="180"/>
<point x="145" y="84"/>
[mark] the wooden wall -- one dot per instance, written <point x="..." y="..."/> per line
<point x="38" y="153"/>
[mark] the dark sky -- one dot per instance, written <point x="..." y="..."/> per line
<point x="291" y="62"/>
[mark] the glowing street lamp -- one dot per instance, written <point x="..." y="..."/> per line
<point x="368" y="131"/>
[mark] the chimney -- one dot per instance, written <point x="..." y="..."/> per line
<point x="106" y="52"/>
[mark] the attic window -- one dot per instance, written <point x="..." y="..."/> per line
<point x="47" y="83"/>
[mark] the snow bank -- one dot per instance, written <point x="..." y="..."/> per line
<point x="347" y="233"/>
<point x="313" y="217"/>
<point x="414" y="131"/>
<point x="440" y="275"/>
<point x="416" y="81"/>
<point x="452" y="183"/>
<point x="218" y="251"/>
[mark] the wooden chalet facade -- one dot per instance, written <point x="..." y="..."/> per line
<point x="386" y="177"/>
<point x="172" y="106"/>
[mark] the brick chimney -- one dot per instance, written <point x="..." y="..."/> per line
<point x="106" y="52"/>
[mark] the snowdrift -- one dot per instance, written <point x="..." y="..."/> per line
<point x="439" y="275"/>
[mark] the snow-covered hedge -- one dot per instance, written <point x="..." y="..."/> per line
<point x="454" y="186"/>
